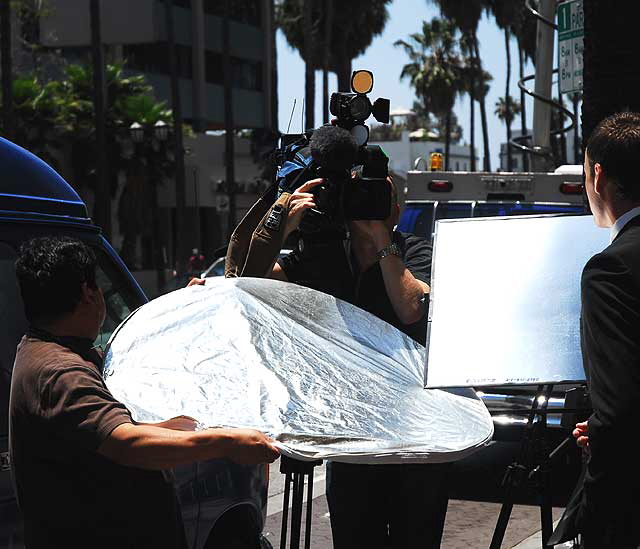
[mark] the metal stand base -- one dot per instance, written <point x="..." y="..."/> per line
<point x="295" y="473"/>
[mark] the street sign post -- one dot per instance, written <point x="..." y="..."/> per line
<point x="570" y="45"/>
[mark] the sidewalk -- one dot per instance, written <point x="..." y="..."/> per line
<point x="469" y="524"/>
<point x="535" y="541"/>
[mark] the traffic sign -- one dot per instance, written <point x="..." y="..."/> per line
<point x="570" y="45"/>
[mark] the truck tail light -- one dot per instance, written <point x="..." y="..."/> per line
<point x="439" y="186"/>
<point x="571" y="188"/>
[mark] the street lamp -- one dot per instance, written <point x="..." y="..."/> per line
<point x="161" y="130"/>
<point x="137" y="132"/>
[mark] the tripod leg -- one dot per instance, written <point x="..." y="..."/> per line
<point x="285" y="511"/>
<point x="307" y="531"/>
<point x="296" y="511"/>
<point x="546" y="518"/>
<point x="503" y="521"/>
<point x="514" y="477"/>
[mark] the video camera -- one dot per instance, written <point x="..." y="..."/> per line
<point x="355" y="173"/>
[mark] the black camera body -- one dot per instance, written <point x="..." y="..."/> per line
<point x="355" y="175"/>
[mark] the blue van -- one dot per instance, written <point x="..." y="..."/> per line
<point x="223" y="504"/>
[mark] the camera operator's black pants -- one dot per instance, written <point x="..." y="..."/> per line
<point x="387" y="506"/>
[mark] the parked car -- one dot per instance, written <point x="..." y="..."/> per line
<point x="223" y="504"/>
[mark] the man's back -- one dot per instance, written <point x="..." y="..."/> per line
<point x="610" y="326"/>
<point x="60" y="412"/>
<point x="611" y="352"/>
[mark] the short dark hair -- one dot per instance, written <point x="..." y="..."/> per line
<point x="615" y="145"/>
<point x="50" y="272"/>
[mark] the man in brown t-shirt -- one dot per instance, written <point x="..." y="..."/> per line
<point x="86" y="474"/>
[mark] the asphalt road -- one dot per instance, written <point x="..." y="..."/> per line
<point x="468" y="525"/>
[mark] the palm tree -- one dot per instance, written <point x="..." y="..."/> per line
<point x="38" y="113"/>
<point x="469" y="76"/>
<point x="309" y="70"/>
<point x="326" y="59"/>
<point x="524" y="30"/>
<point x="506" y="110"/>
<point x="435" y="70"/>
<point x="466" y="16"/>
<point x="353" y="28"/>
<point x="476" y="85"/>
<point x="506" y="12"/>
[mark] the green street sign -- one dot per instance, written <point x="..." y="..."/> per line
<point x="570" y="45"/>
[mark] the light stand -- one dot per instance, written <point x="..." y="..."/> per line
<point x="295" y="472"/>
<point x="533" y="464"/>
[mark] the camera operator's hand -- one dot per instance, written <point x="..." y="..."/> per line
<point x="301" y="201"/>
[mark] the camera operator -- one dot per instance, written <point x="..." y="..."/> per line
<point x="387" y="273"/>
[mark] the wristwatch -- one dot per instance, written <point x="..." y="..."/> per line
<point x="391" y="249"/>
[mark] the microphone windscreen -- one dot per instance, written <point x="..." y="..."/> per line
<point x="333" y="148"/>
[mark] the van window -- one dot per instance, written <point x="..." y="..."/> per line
<point x="418" y="220"/>
<point x="454" y="210"/>
<point x="492" y="209"/>
<point x="119" y="297"/>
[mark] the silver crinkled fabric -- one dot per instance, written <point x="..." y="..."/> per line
<point x="326" y="379"/>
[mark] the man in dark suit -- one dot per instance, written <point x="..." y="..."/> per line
<point x="609" y="513"/>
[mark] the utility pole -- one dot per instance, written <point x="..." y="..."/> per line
<point x="326" y="54"/>
<point x="230" y="178"/>
<point x="181" y="252"/>
<point x="199" y="95"/>
<point x="7" y="89"/>
<point x="102" y="207"/>
<point x="544" y="69"/>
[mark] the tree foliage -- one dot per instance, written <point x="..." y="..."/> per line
<point x="507" y="113"/>
<point x="354" y="25"/>
<point x="56" y="115"/>
<point x="435" y="67"/>
<point x="435" y="70"/>
<point x="39" y="113"/>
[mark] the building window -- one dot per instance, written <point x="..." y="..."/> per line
<point x="213" y="69"/>
<point x="457" y="166"/>
<point x="244" y="11"/>
<point x="246" y="74"/>
<point x="154" y="58"/>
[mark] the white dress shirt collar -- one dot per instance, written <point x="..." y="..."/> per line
<point x="623" y="220"/>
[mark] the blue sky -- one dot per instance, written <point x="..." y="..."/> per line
<point x="386" y="62"/>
